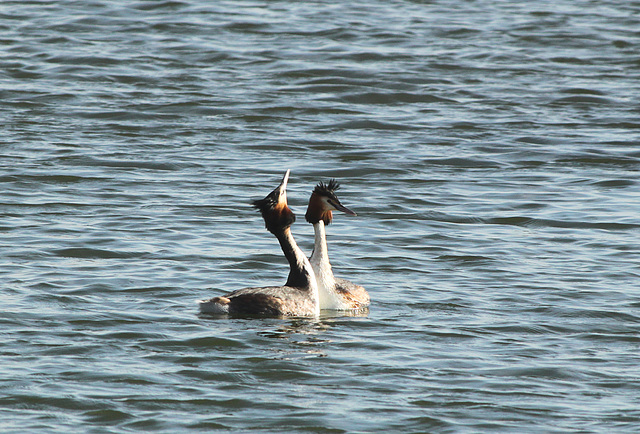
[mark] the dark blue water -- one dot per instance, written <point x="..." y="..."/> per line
<point x="491" y="150"/>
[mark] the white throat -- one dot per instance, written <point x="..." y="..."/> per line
<point x="328" y="296"/>
<point x="313" y="284"/>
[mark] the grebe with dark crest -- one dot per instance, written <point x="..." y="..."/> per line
<point x="334" y="293"/>
<point x="299" y="296"/>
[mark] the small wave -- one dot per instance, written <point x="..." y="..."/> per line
<point x="609" y="337"/>
<point x="50" y="178"/>
<point x="136" y="164"/>
<point x="86" y="60"/>
<point x="393" y="98"/>
<point x="106" y="415"/>
<point x="88" y="253"/>
<point x="463" y="162"/>
<point x="583" y="99"/>
<point x="204" y="342"/>
<point x="49" y="403"/>
<point x="534" y="222"/>
<point x="588" y="159"/>
<point x="465" y="259"/>
<point x="368" y="125"/>
<point x="537" y="140"/>
<point x="571" y="60"/>
<point x="545" y="372"/>
<point x="152" y="6"/>
<point x="582" y="91"/>
<point x="615" y="183"/>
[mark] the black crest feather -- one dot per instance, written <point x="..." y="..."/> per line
<point x="328" y="189"/>
<point x="264" y="205"/>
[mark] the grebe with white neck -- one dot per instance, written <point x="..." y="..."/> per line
<point x="334" y="293"/>
<point x="299" y="296"/>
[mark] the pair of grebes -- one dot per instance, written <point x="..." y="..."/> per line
<point x="311" y="285"/>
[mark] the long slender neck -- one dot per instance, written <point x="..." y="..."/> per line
<point x="320" y="255"/>
<point x="300" y="274"/>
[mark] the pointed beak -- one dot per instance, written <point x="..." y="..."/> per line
<point x="285" y="179"/>
<point x="340" y="207"/>
<point x="282" y="188"/>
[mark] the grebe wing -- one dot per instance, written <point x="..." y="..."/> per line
<point x="270" y="301"/>
<point x="354" y="294"/>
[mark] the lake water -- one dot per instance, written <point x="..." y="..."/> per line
<point x="491" y="150"/>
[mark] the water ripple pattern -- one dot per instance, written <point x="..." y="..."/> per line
<point x="491" y="150"/>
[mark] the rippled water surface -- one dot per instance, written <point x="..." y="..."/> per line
<point x="490" y="148"/>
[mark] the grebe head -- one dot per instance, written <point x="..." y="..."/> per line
<point x="324" y="200"/>
<point x="274" y="208"/>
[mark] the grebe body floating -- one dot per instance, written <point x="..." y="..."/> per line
<point x="299" y="295"/>
<point x="334" y="293"/>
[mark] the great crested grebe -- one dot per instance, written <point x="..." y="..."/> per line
<point x="299" y="296"/>
<point x="334" y="293"/>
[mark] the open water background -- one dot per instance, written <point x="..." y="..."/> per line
<point x="491" y="149"/>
